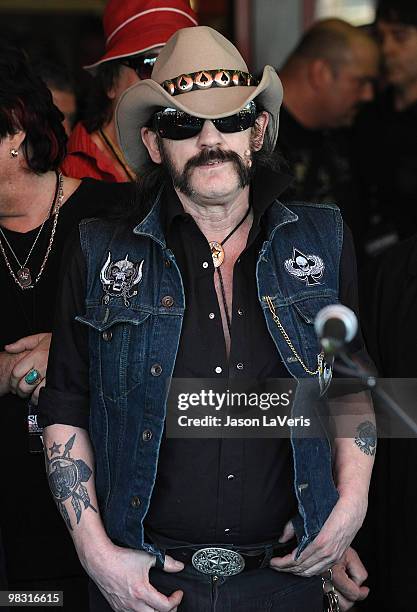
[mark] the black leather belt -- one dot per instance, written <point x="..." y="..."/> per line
<point x="228" y="561"/>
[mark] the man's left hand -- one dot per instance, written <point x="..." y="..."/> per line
<point x="348" y="576"/>
<point x="330" y="544"/>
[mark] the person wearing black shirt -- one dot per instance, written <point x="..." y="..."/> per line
<point x="205" y="205"/>
<point x="384" y="143"/>
<point x="388" y="299"/>
<point x="326" y="79"/>
<point x="38" y="209"/>
<point x="386" y="152"/>
<point x="266" y="490"/>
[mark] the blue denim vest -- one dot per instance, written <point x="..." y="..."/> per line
<point x="133" y="348"/>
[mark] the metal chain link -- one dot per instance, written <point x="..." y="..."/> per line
<point x="331" y="597"/>
<point x="31" y="248"/>
<point x="287" y="339"/>
<point x="55" y="212"/>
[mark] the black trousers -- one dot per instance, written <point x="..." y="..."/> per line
<point x="263" y="590"/>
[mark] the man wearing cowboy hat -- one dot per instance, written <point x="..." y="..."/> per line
<point x="207" y="276"/>
<point x="135" y="31"/>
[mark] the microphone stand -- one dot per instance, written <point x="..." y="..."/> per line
<point x="350" y="368"/>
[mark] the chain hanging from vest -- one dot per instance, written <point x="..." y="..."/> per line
<point x="320" y="357"/>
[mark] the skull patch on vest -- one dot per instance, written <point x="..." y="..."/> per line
<point x="307" y="268"/>
<point x="119" y="279"/>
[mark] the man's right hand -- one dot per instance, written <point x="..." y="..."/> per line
<point x="122" y="575"/>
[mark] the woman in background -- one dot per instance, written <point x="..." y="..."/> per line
<point x="39" y="207"/>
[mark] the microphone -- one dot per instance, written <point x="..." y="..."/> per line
<point x="335" y="326"/>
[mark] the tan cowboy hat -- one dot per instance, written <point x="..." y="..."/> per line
<point x="201" y="73"/>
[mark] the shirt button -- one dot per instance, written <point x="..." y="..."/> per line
<point x="205" y="265"/>
<point x="211" y="315"/>
<point x="135" y="502"/>
<point x="240" y="312"/>
<point x="167" y="301"/>
<point x="167" y="263"/>
<point x="156" y="369"/>
<point x="230" y="477"/>
<point x="107" y="335"/>
<point x="147" y="435"/>
<point x="227" y="530"/>
<point x="239" y="366"/>
<point x="218" y="370"/>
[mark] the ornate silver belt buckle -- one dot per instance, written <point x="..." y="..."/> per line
<point x="218" y="561"/>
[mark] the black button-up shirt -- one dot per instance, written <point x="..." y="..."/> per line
<point x="221" y="490"/>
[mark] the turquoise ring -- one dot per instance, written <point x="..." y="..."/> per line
<point x="32" y="377"/>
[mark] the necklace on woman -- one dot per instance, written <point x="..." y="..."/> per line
<point x="117" y="154"/>
<point x="23" y="276"/>
<point x="217" y="254"/>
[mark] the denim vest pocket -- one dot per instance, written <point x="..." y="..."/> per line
<point x="308" y="307"/>
<point x="297" y="318"/>
<point x="119" y="339"/>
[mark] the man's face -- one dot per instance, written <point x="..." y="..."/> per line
<point x="399" y="52"/>
<point x="129" y="76"/>
<point x="212" y="167"/>
<point x="125" y="79"/>
<point x="352" y="85"/>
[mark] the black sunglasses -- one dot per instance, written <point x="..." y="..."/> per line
<point x="177" y="125"/>
<point x="141" y="64"/>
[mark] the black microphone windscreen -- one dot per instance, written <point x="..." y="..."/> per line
<point x="334" y="329"/>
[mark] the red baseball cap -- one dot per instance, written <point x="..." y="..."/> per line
<point x="136" y="26"/>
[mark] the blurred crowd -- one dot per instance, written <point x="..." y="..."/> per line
<point x="346" y="136"/>
<point x="346" y="130"/>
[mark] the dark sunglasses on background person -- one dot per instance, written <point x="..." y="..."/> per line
<point x="141" y="64"/>
<point x="177" y="125"/>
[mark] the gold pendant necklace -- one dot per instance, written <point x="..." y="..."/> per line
<point x="216" y="247"/>
<point x="217" y="254"/>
